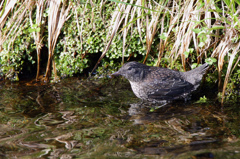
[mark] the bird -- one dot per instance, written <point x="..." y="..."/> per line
<point x="155" y="84"/>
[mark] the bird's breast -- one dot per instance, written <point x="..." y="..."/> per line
<point x="138" y="90"/>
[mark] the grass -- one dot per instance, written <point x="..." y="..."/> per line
<point x="188" y="31"/>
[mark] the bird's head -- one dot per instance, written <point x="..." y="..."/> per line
<point x="133" y="71"/>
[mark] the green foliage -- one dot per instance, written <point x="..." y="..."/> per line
<point x="163" y="36"/>
<point x="86" y="33"/>
<point x="186" y="53"/>
<point x="202" y="100"/>
<point x="232" y="93"/>
<point x="34" y="28"/>
<point x="134" y="46"/>
<point x="106" y="69"/>
<point x="74" y="49"/>
<point x="211" y="60"/>
<point x="194" y="65"/>
<point x="16" y="52"/>
<point x="202" y="35"/>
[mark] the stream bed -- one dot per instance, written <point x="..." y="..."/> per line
<point x="102" y="118"/>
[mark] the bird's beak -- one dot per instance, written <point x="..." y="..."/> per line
<point x="116" y="74"/>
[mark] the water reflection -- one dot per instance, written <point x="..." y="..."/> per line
<point x="102" y="119"/>
<point x="175" y="121"/>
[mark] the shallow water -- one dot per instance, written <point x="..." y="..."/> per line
<point x="103" y="119"/>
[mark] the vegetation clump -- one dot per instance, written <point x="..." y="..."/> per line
<point x="159" y="33"/>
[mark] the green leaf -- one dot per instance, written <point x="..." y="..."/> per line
<point x="227" y="2"/>
<point x="238" y="2"/>
<point x="200" y="6"/>
<point x="196" y="30"/>
<point x="194" y="65"/>
<point x="89" y="40"/>
<point x="210" y="60"/>
<point x="202" y="100"/>
<point x="151" y="110"/>
<point x="217" y="27"/>
<point x="201" y="44"/>
<point x="89" y="6"/>
<point x="31" y="30"/>
<point x="186" y="53"/>
<point x="38" y="29"/>
<point x="204" y="38"/>
<point x="34" y="25"/>
<point x="163" y="36"/>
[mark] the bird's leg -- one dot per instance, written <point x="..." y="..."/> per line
<point x="187" y="98"/>
<point x="141" y="103"/>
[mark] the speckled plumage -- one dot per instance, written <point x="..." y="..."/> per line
<point x="161" y="84"/>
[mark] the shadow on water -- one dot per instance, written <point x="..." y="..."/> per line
<point x="103" y="119"/>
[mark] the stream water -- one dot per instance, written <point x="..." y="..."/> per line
<point x="103" y="119"/>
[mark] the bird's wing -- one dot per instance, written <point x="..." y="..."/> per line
<point x="166" y="85"/>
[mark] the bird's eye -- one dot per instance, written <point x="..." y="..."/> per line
<point x="129" y="68"/>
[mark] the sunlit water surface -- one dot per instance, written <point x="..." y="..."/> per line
<point x="103" y="119"/>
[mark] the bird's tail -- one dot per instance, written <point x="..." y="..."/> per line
<point x="200" y="70"/>
<point x="195" y="76"/>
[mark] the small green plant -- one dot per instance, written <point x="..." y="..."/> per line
<point x="211" y="60"/>
<point x="202" y="100"/>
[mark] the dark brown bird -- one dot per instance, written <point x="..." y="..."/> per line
<point x="161" y="84"/>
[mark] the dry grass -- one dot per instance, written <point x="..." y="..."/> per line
<point x="15" y="13"/>
<point x="121" y="12"/>
<point x="57" y="15"/>
<point x="37" y="35"/>
<point x="196" y="24"/>
<point x="80" y="28"/>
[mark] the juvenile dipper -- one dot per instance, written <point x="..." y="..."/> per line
<point x="161" y="84"/>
